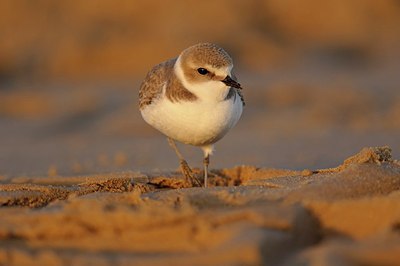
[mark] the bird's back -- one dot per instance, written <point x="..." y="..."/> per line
<point x="152" y="86"/>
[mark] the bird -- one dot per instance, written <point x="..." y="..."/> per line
<point x="194" y="99"/>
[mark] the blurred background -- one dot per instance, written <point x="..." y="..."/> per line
<point x="321" y="81"/>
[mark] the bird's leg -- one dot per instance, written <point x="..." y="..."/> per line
<point x="206" y="162"/>
<point x="187" y="172"/>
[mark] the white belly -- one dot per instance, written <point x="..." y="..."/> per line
<point x="196" y="123"/>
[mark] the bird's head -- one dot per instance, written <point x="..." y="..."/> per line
<point x="206" y="70"/>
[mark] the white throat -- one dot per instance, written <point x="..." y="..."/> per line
<point x="210" y="91"/>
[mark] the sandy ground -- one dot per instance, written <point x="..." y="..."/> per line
<point x="85" y="181"/>
<point x="320" y="82"/>
<point x="348" y="215"/>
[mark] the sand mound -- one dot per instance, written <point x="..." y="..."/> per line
<point x="252" y="216"/>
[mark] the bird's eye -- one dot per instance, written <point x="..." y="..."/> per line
<point x="202" y="71"/>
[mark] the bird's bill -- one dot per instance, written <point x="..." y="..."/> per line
<point x="230" y="82"/>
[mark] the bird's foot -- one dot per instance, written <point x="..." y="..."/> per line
<point x="187" y="172"/>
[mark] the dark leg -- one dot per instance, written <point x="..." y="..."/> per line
<point x="206" y="162"/>
<point x="187" y="172"/>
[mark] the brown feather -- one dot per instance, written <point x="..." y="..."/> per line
<point x="152" y="86"/>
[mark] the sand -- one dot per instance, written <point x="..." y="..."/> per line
<point x="85" y="181"/>
<point x="320" y="82"/>
<point x="349" y="215"/>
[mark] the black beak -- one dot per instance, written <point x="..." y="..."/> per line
<point x="230" y="82"/>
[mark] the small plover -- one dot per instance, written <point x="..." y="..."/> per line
<point x="194" y="99"/>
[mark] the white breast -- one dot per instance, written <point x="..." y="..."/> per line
<point x="196" y="123"/>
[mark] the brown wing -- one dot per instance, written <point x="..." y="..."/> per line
<point x="153" y="83"/>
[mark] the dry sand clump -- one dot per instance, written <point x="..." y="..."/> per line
<point x="249" y="216"/>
